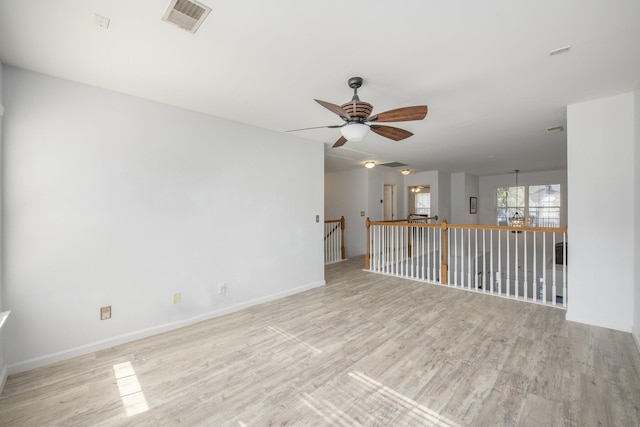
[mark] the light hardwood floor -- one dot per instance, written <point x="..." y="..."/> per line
<point x="365" y="350"/>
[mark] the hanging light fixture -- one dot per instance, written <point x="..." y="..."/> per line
<point x="354" y="131"/>
<point x="517" y="220"/>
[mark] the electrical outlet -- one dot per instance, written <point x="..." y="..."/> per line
<point x="177" y="297"/>
<point x="105" y="312"/>
<point x="101" y="21"/>
<point x="222" y="288"/>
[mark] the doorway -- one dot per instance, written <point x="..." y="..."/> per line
<point x="390" y="202"/>
<point x="420" y="199"/>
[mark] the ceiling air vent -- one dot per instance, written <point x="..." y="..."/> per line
<point x="186" y="14"/>
<point x="393" y="164"/>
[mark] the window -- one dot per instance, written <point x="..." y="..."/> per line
<point x="539" y="204"/>
<point x="509" y="201"/>
<point x="423" y="203"/>
<point x="544" y="205"/>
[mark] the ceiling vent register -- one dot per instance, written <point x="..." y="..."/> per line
<point x="186" y="14"/>
<point x="393" y="164"/>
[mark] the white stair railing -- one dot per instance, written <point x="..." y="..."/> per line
<point x="334" y="250"/>
<point x="525" y="263"/>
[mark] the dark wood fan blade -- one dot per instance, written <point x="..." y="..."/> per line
<point x="403" y="114"/>
<point x="334" y="108"/>
<point x="390" y="132"/>
<point x="340" y="142"/>
<point x="317" y="127"/>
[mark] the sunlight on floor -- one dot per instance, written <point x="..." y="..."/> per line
<point x="369" y="402"/>
<point x="422" y="414"/>
<point x="131" y="393"/>
<point x="287" y="335"/>
<point x="334" y="416"/>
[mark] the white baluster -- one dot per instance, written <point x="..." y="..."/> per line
<point x="564" y="269"/>
<point x="517" y="262"/>
<point x="457" y="252"/>
<point x="535" y="265"/>
<point x="475" y="270"/>
<point x="500" y="260"/>
<point x="484" y="261"/>
<point x="544" y="270"/>
<point x="553" y="271"/>
<point x="526" y="286"/>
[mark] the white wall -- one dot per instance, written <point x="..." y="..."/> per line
<point x="443" y="196"/>
<point x="114" y="200"/>
<point x="636" y="192"/>
<point x="350" y="193"/>
<point x="378" y="178"/>
<point x="463" y="187"/>
<point x="3" y="365"/>
<point x="375" y="195"/>
<point x="600" y="153"/>
<point x="489" y="184"/>
<point x="346" y="195"/>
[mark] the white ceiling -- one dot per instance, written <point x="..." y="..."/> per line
<point x="482" y="67"/>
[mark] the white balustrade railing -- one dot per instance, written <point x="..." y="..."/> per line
<point x="406" y="250"/>
<point x="526" y="263"/>
<point x="334" y="240"/>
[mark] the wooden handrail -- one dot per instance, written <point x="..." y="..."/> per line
<point x="421" y="216"/>
<point x="474" y="226"/>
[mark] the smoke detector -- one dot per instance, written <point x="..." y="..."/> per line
<point x="186" y="14"/>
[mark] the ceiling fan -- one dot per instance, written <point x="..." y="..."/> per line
<point x="358" y="119"/>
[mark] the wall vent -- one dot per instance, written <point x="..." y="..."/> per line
<point x="558" y="128"/>
<point x="186" y="14"/>
<point x="560" y="51"/>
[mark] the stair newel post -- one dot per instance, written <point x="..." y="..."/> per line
<point x="444" y="273"/>
<point x="367" y="258"/>
<point x="342" y="251"/>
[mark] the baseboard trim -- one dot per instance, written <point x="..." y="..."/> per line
<point x="37" y="362"/>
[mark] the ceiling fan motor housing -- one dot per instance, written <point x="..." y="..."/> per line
<point x="358" y="109"/>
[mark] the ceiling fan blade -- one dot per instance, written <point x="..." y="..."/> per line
<point x="403" y="114"/>
<point x="340" y="142"/>
<point x="334" y="108"/>
<point x="317" y="127"/>
<point x="391" y="132"/>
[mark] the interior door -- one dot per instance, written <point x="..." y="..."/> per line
<point x="389" y="202"/>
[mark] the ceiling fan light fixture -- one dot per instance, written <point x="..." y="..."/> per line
<point x="369" y="165"/>
<point x="354" y="131"/>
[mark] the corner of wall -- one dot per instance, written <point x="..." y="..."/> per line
<point x="3" y="365"/>
<point x="636" y="204"/>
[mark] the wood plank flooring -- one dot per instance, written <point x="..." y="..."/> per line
<point x="364" y="350"/>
